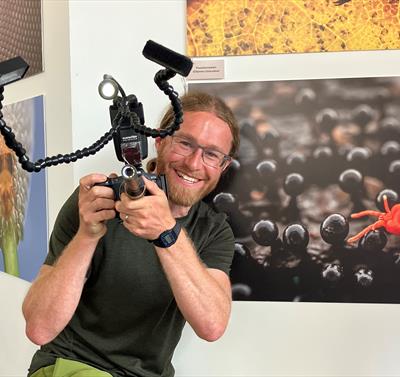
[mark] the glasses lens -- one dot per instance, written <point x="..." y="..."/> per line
<point x="182" y="146"/>
<point x="213" y="158"/>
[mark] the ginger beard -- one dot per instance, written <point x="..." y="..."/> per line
<point x="178" y="194"/>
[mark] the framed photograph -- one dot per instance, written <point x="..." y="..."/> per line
<point x="236" y="27"/>
<point x="23" y="205"/>
<point x="312" y="153"/>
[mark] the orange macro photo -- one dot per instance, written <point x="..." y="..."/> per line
<point x="253" y="27"/>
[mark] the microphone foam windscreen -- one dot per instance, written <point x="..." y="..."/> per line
<point x="167" y="58"/>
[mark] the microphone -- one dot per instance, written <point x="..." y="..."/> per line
<point x="167" y="58"/>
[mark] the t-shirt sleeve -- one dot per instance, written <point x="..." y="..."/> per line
<point x="219" y="248"/>
<point x="65" y="228"/>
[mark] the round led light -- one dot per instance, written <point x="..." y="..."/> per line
<point x="108" y="88"/>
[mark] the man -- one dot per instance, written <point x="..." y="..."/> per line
<point x="109" y="300"/>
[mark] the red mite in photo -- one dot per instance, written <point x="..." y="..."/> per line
<point x="389" y="220"/>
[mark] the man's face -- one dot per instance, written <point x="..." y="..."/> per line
<point x="189" y="179"/>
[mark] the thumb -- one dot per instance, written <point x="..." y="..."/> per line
<point x="152" y="187"/>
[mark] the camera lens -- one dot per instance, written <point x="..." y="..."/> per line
<point x="128" y="171"/>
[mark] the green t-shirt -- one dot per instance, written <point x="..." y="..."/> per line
<point x="127" y="321"/>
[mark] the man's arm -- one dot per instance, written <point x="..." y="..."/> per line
<point x="54" y="295"/>
<point x="203" y="294"/>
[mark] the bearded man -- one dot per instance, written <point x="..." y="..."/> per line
<point x="113" y="296"/>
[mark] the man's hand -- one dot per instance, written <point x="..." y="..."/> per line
<point x="96" y="205"/>
<point x="148" y="216"/>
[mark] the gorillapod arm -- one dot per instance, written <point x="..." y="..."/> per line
<point x="161" y="79"/>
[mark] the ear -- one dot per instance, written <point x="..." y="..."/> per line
<point x="157" y="142"/>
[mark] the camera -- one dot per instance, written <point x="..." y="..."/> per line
<point x="127" y="120"/>
<point x="131" y="147"/>
<point x="131" y="182"/>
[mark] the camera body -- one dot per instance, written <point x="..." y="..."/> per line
<point x="120" y="185"/>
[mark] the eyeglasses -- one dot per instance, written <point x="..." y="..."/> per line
<point x="211" y="157"/>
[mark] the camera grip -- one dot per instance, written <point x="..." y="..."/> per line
<point x="115" y="184"/>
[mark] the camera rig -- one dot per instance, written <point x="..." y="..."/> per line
<point x="127" y="122"/>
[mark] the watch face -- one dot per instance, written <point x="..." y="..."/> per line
<point x="169" y="237"/>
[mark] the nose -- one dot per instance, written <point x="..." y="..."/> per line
<point x="195" y="160"/>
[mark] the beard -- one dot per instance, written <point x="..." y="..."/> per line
<point x="180" y="195"/>
<point x="185" y="196"/>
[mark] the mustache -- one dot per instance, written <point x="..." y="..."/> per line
<point x="188" y="173"/>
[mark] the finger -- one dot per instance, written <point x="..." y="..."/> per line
<point x="152" y="187"/>
<point x="87" y="193"/>
<point x="118" y="206"/>
<point x="87" y="182"/>
<point x="126" y="203"/>
<point x="102" y="203"/>
<point x="100" y="216"/>
<point x="89" y="208"/>
<point x="103" y="192"/>
<point x="90" y="216"/>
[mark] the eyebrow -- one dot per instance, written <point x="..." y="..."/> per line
<point x="191" y="138"/>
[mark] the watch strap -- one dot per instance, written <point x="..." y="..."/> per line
<point x="168" y="237"/>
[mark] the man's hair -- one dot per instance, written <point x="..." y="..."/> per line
<point x="200" y="101"/>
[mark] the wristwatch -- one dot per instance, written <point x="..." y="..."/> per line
<point x="168" y="237"/>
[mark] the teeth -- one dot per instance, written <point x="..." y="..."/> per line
<point x="187" y="178"/>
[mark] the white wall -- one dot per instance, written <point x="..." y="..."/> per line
<point x="16" y="350"/>
<point x="264" y="339"/>
<point x="54" y="84"/>
<point x="108" y="37"/>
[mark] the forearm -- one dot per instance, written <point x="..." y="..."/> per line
<point x="54" y="296"/>
<point x="204" y="301"/>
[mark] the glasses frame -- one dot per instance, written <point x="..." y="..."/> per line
<point x="226" y="158"/>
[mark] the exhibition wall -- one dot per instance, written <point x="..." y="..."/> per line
<point x="82" y="40"/>
<point x="264" y="338"/>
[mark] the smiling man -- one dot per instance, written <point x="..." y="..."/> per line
<point x="112" y="297"/>
<point x="194" y="176"/>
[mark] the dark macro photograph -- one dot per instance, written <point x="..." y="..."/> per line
<point x="313" y="194"/>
